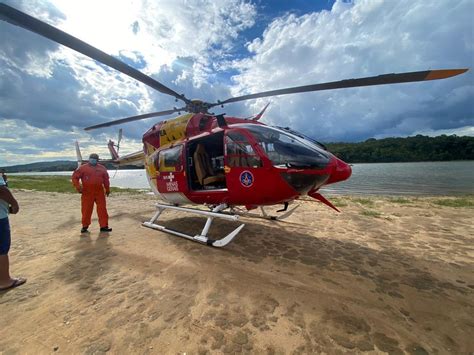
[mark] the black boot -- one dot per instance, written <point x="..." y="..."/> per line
<point x="84" y="229"/>
<point x="106" y="229"/>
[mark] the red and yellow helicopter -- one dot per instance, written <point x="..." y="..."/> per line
<point x="219" y="161"/>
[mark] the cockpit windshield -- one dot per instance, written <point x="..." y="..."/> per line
<point x="285" y="149"/>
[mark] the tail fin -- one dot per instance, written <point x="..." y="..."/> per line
<point x="113" y="152"/>
<point x="78" y="155"/>
<point x="111" y="145"/>
<point x="136" y="158"/>
<point x="257" y="117"/>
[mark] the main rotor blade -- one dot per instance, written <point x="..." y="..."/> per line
<point x="18" y="18"/>
<point x="350" y="83"/>
<point x="135" y="118"/>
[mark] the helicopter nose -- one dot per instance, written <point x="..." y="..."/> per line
<point x="342" y="171"/>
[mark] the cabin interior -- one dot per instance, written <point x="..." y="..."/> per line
<point x="206" y="162"/>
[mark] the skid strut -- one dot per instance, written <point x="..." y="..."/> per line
<point x="264" y="214"/>
<point x="201" y="238"/>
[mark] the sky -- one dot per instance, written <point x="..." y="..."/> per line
<point x="217" y="49"/>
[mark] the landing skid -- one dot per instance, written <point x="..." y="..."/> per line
<point x="264" y="214"/>
<point x="200" y="238"/>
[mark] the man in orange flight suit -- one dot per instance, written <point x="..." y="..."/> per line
<point x="95" y="180"/>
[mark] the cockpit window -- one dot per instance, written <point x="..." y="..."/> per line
<point x="301" y="135"/>
<point x="170" y="159"/>
<point x="287" y="150"/>
<point x="239" y="151"/>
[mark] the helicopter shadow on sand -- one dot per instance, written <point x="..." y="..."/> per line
<point x="91" y="260"/>
<point x="139" y="217"/>
<point x="283" y="247"/>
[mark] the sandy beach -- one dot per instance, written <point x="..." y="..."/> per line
<point x="385" y="275"/>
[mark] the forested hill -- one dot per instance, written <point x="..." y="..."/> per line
<point x="49" y="166"/>
<point x="58" y="165"/>
<point x="417" y="148"/>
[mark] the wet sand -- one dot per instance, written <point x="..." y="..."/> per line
<point x="382" y="276"/>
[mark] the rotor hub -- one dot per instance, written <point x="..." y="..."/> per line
<point x="197" y="106"/>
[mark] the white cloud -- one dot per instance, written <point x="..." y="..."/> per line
<point x="175" y="42"/>
<point x="461" y="131"/>
<point x="52" y="87"/>
<point x="164" y="30"/>
<point x="364" y="38"/>
<point x="190" y="46"/>
<point x="22" y="143"/>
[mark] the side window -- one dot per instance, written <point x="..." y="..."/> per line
<point x="170" y="160"/>
<point x="239" y="151"/>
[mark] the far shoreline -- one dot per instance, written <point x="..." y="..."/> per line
<point x="6" y="168"/>
<point x="391" y="180"/>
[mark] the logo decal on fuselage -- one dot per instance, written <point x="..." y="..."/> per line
<point x="246" y="178"/>
<point x="171" y="185"/>
<point x="170" y="177"/>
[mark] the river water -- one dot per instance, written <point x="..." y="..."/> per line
<point x="426" y="178"/>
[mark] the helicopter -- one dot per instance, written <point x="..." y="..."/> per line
<point x="231" y="165"/>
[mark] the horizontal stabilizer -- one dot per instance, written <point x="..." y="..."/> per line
<point x="136" y="158"/>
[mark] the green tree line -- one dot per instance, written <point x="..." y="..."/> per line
<point x="417" y="148"/>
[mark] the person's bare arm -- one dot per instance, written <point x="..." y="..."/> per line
<point x="7" y="196"/>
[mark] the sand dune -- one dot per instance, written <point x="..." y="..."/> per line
<point x="397" y="280"/>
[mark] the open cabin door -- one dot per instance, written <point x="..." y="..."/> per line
<point x="206" y="163"/>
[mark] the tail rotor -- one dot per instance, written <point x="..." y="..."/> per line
<point x="119" y="139"/>
<point x="111" y="145"/>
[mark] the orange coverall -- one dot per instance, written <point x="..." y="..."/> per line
<point x="94" y="180"/>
